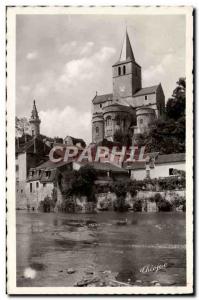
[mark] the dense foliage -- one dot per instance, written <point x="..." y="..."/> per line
<point x="167" y="134"/>
<point x="82" y="183"/>
<point x="123" y="137"/>
<point x="175" y="106"/>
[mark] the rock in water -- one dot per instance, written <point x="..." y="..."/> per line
<point x="70" y="271"/>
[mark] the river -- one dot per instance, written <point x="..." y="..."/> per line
<point x="50" y="244"/>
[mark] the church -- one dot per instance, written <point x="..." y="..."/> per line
<point x="130" y="107"/>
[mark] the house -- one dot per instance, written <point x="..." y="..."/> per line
<point x="50" y="176"/>
<point x="163" y="166"/>
<point x="30" y="151"/>
<point x="106" y="172"/>
<point x="28" y="156"/>
<point x="42" y="181"/>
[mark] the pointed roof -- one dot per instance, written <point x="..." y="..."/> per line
<point x="126" y="52"/>
<point x="34" y="114"/>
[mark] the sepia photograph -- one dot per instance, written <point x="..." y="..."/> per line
<point x="100" y="150"/>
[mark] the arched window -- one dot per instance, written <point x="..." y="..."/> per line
<point x="97" y="130"/>
<point x="108" y="121"/>
<point x="141" y="121"/>
<point x="124" y="70"/>
<point x="119" y="71"/>
<point x="118" y="121"/>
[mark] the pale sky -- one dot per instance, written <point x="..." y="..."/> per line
<point x="63" y="60"/>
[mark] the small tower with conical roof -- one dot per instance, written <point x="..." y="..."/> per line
<point x="35" y="121"/>
<point x="126" y="73"/>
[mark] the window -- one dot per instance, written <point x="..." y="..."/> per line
<point x="48" y="173"/>
<point x="119" y="71"/>
<point x="21" y="191"/>
<point x="118" y="121"/>
<point x="141" y="121"/>
<point x="170" y="171"/>
<point x="145" y="97"/>
<point x="124" y="70"/>
<point x="32" y="132"/>
<point x="37" y="185"/>
<point x="100" y="105"/>
<point x="97" y="130"/>
<point x="30" y="187"/>
<point x="108" y="121"/>
<point x="17" y="168"/>
<point x="44" y="184"/>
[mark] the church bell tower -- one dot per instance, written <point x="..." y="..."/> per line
<point x="126" y="73"/>
<point x="35" y="121"/>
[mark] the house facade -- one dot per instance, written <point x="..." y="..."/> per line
<point x="30" y="152"/>
<point x="48" y="177"/>
<point x="164" y="166"/>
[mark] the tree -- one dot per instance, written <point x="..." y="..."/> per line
<point x="175" y="107"/>
<point x="22" y="126"/>
<point x="120" y="189"/>
<point x="122" y="137"/>
<point x="82" y="183"/>
<point x="168" y="135"/>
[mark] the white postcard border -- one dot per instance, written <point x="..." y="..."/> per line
<point x="11" y="206"/>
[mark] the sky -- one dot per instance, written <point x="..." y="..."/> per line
<point x="62" y="60"/>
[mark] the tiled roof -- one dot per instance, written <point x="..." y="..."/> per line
<point x="51" y="165"/>
<point x="45" y="172"/>
<point x="29" y="145"/>
<point x="137" y="165"/>
<point x="146" y="91"/>
<point x="160" y="159"/>
<point x="168" y="158"/>
<point x="105" y="166"/>
<point x="102" y="98"/>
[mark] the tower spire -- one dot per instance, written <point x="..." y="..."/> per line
<point x="35" y="121"/>
<point x="126" y="52"/>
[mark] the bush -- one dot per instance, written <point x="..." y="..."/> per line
<point x="162" y="204"/>
<point x="47" y="205"/>
<point x="158" y="198"/>
<point x="179" y="201"/>
<point x="137" y="206"/>
<point x="165" y="206"/>
<point x="120" y="190"/>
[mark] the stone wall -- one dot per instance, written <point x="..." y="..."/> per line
<point x="167" y="195"/>
<point x="27" y="198"/>
<point x="105" y="201"/>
